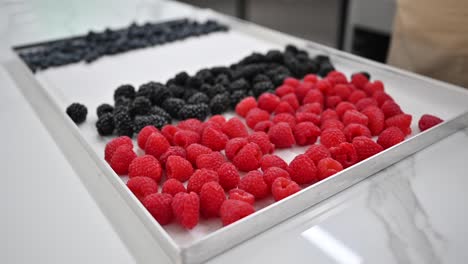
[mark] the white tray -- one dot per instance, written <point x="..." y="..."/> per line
<point x="51" y="91"/>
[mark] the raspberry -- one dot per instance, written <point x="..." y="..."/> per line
<point x="311" y="78"/>
<point x="228" y="176"/>
<point x="263" y="126"/>
<point x="336" y="77"/>
<point x="244" y="106"/>
<point x="211" y="161"/>
<point x="168" y="132"/>
<point x="283" y="187"/>
<point x="254" y="183"/>
<point x="355" y="96"/>
<point x="195" y="150"/>
<point x="159" y="205"/>
<point x="214" y="139"/>
<point x="332" y="123"/>
<point x="186" y="209"/>
<point x="332" y="137"/>
<point x="402" y="121"/>
<point x="328" y="115"/>
<point x="366" y="147"/>
<point x="343" y="91"/>
<point x="211" y="198"/>
<point x="291" y="99"/>
<point x="77" y="112"/>
<point x="184" y="138"/>
<point x="255" y="116"/>
<point x="178" y="168"/>
<point x="144" y="135"/>
<point x="234" y="128"/>
<point x="306" y="133"/>
<point x="359" y="80"/>
<point x="285" y="117"/>
<point x="281" y="135"/>
<point x="112" y="146"/>
<point x="233" y="146"/>
<point x="293" y="82"/>
<point x="263" y="141"/>
<point x="172" y="151"/>
<point x="390" y="108"/>
<point x="333" y="101"/>
<point x="345" y="153"/>
<point x="371" y="87"/>
<point x="317" y="152"/>
<point x="122" y="158"/>
<point x="173" y="187"/>
<point x="302" y="170"/>
<point x="327" y="167"/>
<point x="271" y="174"/>
<point x="156" y="145"/>
<point x="355" y="130"/>
<point x="390" y="137"/>
<point x="342" y="107"/>
<point x="147" y="166"/>
<point x="142" y="186"/>
<point x="284" y="107"/>
<point x="365" y="102"/>
<point x="192" y="124"/>
<point x="271" y="160"/>
<point x="199" y="178"/>
<point x="219" y="119"/>
<point x="427" y="121"/>
<point x="248" y="158"/>
<point x="241" y="195"/>
<point x="268" y="102"/>
<point x="314" y="96"/>
<point x="302" y="89"/>
<point x="308" y="117"/>
<point x="355" y="117"/>
<point x="323" y="85"/>
<point x="314" y="108"/>
<point x="376" y="119"/>
<point x="381" y="97"/>
<point x="234" y="210"/>
<point x="284" y="90"/>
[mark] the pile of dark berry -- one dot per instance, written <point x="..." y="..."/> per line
<point x="94" y="45"/>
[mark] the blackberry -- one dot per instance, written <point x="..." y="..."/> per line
<point x="125" y="90"/>
<point x="188" y="93"/>
<point x="140" y="106"/>
<point x="156" y="110"/>
<point x="104" y="109"/>
<point x="221" y="70"/>
<point x="325" y="68"/>
<point x="146" y="90"/>
<point x="181" y="78"/>
<point x="160" y="94"/>
<point x="212" y="90"/>
<point x="176" y="90"/>
<point x="199" y="111"/>
<point x="261" y="78"/>
<point x="240" y="84"/>
<point x="198" y="98"/>
<point x="274" y="56"/>
<point x="322" y="59"/>
<point x="149" y="120"/>
<point x="105" y="124"/>
<point x="291" y="49"/>
<point x="262" y="87"/>
<point x="237" y="96"/>
<point x="172" y="106"/>
<point x="248" y="71"/>
<point x="123" y="101"/>
<point x="205" y="76"/>
<point x="278" y="79"/>
<point x="77" y="112"/>
<point x="123" y="124"/>
<point x="253" y="58"/>
<point x="194" y="82"/>
<point x="220" y="103"/>
<point x="222" y="79"/>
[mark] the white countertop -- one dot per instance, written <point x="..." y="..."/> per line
<point x="412" y="212"/>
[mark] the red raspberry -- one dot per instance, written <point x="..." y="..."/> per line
<point x="142" y="186"/>
<point x="327" y="115"/>
<point x="144" y="135"/>
<point x="211" y="161"/>
<point x="241" y="195"/>
<point x="332" y="123"/>
<point x="359" y="80"/>
<point x="343" y="91"/>
<point x="178" y="168"/>
<point x="293" y="82"/>
<point x="147" y="166"/>
<point x="122" y="158"/>
<point x="233" y="146"/>
<point x="376" y="119"/>
<point x="306" y="133"/>
<point x="172" y="151"/>
<point x="234" y="210"/>
<point x="365" y="102"/>
<point x="371" y="87"/>
<point x="270" y="175"/>
<point x="283" y="187"/>
<point x="211" y="198"/>
<point x="192" y="124"/>
<point x="390" y="108"/>
<point x="245" y="105"/>
<point x="337" y="77"/>
<point x="156" y="145"/>
<point x="199" y="178"/>
<point x="195" y="150"/>
<point x="184" y="138"/>
<point x="333" y="101"/>
<point x="314" y="108"/>
<point x="327" y="167"/>
<point x="235" y="128"/>
<point x="355" y="117"/>
<point x="342" y="107"/>
<point x="268" y="102"/>
<point x="345" y="153"/>
<point x="173" y="187"/>
<point x="285" y="117"/>
<point x="356" y="130"/>
<point x="356" y="96"/>
<point x="302" y="170"/>
<point x="263" y="141"/>
<point x="311" y="78"/>
<point x="218" y="119"/>
<point x="255" y="116"/>
<point x="211" y="124"/>
<point x="248" y="158"/>
<point x="308" y="117"/>
<point x="390" y="137"/>
<point x="324" y="85"/>
<point x="332" y="137"/>
<point x="291" y="99"/>
<point x="214" y="139"/>
<point x="284" y="90"/>
<point x="314" y="96"/>
<point x="302" y="89"/>
<point x="159" y="205"/>
<point x="284" y="107"/>
<point x="381" y="97"/>
<point x="317" y="152"/>
<point x="263" y="126"/>
<point x="254" y="183"/>
<point x="112" y="146"/>
<point x="366" y="147"/>
<point x="228" y="176"/>
<point x="168" y="132"/>
<point x="186" y="209"/>
<point x="402" y="121"/>
<point x="427" y="121"/>
<point x="281" y="135"/>
<point x="271" y="160"/>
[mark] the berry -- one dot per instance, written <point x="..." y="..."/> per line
<point x="156" y="145"/>
<point x="112" y="146"/>
<point x="332" y="101"/>
<point x="293" y="82"/>
<point x="302" y="89"/>
<point x="142" y="186"/>
<point x="195" y="150"/>
<point x="105" y="124"/>
<point x="376" y="119"/>
<point x="284" y="107"/>
<point x="237" y="96"/>
<point x="218" y="119"/>
<point x="308" y="117"/>
<point x="172" y="106"/>
<point x="327" y="167"/>
<point x="140" y="106"/>
<point x="285" y="117"/>
<point x="390" y="108"/>
<point x="402" y="121"/>
<point x="263" y="126"/>
<point x="148" y="120"/>
<point x="191" y="124"/>
<point x="314" y="96"/>
<point x="314" y="108"/>
<point x="332" y="123"/>
<point x="248" y="157"/>
<point x="241" y="195"/>
<point x="263" y="141"/>
<point x="284" y="90"/>
<point x="268" y="102"/>
<point x="77" y="112"/>
<point x="199" y="111"/>
<point x="390" y="137"/>
<point x="306" y="133"/>
<point x="255" y="116"/>
<point x="283" y="187"/>
<point x="186" y="209"/>
<point x="168" y="131"/>
<point x="159" y="205"/>
<point x="332" y="137"/>
<point x="324" y="85"/>
<point x="381" y="97"/>
<point x="328" y="114"/>
<point x="123" y="124"/>
<point x="156" y="110"/>
<point x="172" y="151"/>
<point x="199" y="178"/>
<point x="359" y="80"/>
<point x="228" y="176"/>
<point x="261" y="87"/>
<point x="214" y="138"/>
<point x="270" y="175"/>
<point x="122" y="158"/>
<point x="125" y="90"/>
<point x="355" y="130"/>
<point x="220" y="103"/>
<point x="244" y="106"/>
<point x="311" y="78"/>
<point x="198" y="98"/>
<point x="173" y="187"/>
<point x="317" y="152"/>
<point x="302" y="170"/>
<point x="365" y="102"/>
<point x="427" y="121"/>
<point x="211" y="198"/>
<point x="342" y="107"/>
<point x="366" y="147"/>
<point x="185" y="138"/>
<point x="240" y="84"/>
<point x="271" y="160"/>
<point x="343" y="91"/>
<point x="147" y="166"/>
<point x="234" y="210"/>
<point x="336" y="77"/>
<point x="254" y="183"/>
<point x="345" y="154"/>
<point x="234" y="128"/>
<point x="281" y="135"/>
<point x="144" y="134"/>
<point x="178" y="168"/>
<point x="371" y="87"/>
<point x="211" y="161"/>
<point x="291" y="99"/>
<point x="104" y="109"/>
<point x="233" y="146"/>
<point x="355" y="96"/>
<point x="355" y="117"/>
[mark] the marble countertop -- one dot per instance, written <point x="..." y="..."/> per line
<point x="412" y="212"/>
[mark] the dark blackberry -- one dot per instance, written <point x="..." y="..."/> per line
<point x="147" y="90"/>
<point x="123" y="124"/>
<point x="222" y="79"/>
<point x="105" y="124"/>
<point x="188" y="93"/>
<point x="140" y="106"/>
<point x="310" y="66"/>
<point x="322" y="59"/>
<point x="161" y="93"/>
<point x="125" y="90"/>
<point x="237" y="96"/>
<point x="262" y="87"/>
<point x="278" y="79"/>
<point x="172" y="106"/>
<point x="194" y="82"/>
<point x="212" y="90"/>
<point x="261" y="78"/>
<point x="248" y="71"/>
<point x="220" y="103"/>
<point x="149" y="120"/>
<point x="77" y="112"/>
<point x="104" y="109"/>
<point x="198" y="98"/>
<point x="123" y="101"/>
<point x="181" y="78"/>
<point x="199" y="111"/>
<point x="291" y="49"/>
<point x="253" y="58"/>
<point x="240" y="84"/>
<point x="177" y="90"/>
<point x="274" y="56"/>
<point x="156" y="110"/>
<point x="325" y="68"/>
<point x="205" y="76"/>
<point x="221" y="70"/>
